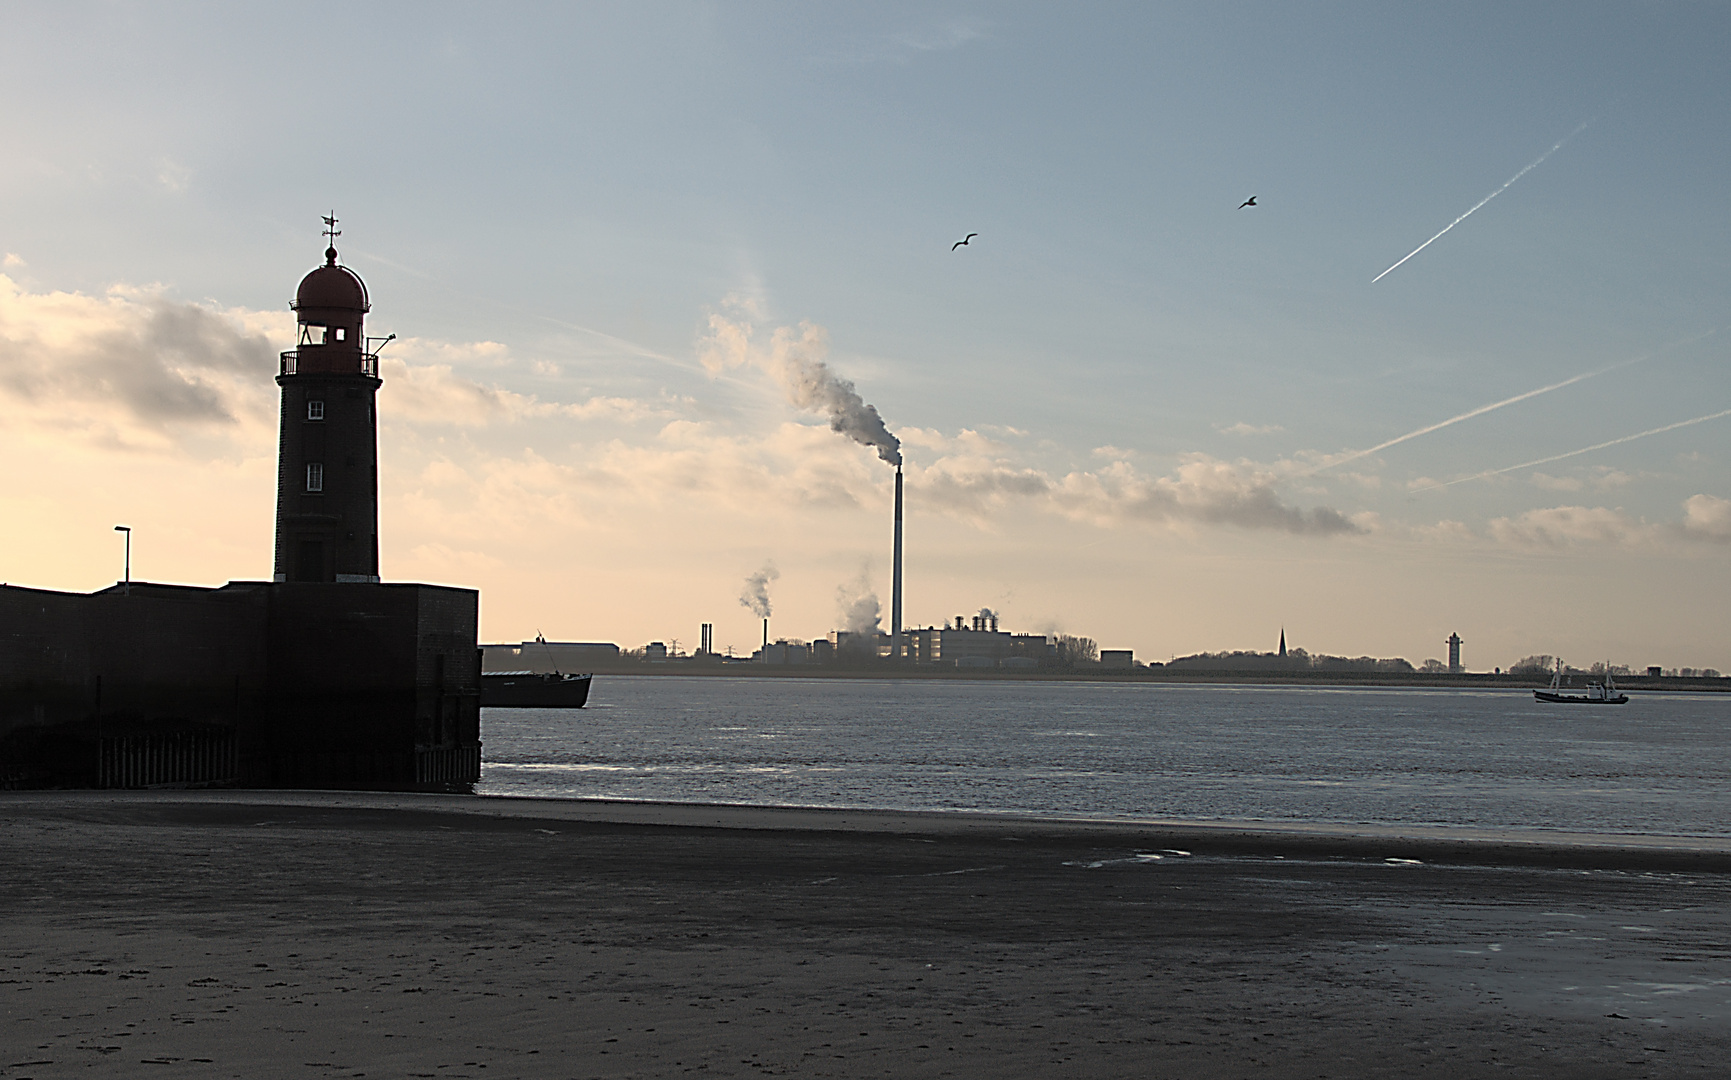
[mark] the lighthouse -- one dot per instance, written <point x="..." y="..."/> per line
<point x="327" y="501"/>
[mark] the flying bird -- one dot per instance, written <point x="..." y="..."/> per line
<point x="963" y="240"/>
<point x="1247" y="202"/>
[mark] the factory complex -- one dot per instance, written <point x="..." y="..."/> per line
<point x="968" y="643"/>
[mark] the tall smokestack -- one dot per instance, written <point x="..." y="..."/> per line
<point x="766" y="635"/>
<point x="896" y="577"/>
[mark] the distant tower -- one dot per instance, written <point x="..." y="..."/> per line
<point x="1283" y="643"/>
<point x="327" y="489"/>
<point x="1454" y="654"/>
<point x="896" y="651"/>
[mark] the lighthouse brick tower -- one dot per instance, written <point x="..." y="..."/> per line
<point x="327" y="501"/>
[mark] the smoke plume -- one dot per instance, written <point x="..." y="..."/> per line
<point x="860" y="611"/>
<point x="755" y="593"/>
<point x="798" y="361"/>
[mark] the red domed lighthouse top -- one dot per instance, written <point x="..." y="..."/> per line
<point x="331" y="288"/>
<point x="331" y="307"/>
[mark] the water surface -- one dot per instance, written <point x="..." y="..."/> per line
<point x="1351" y="755"/>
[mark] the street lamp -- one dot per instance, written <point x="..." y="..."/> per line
<point x="127" y="529"/>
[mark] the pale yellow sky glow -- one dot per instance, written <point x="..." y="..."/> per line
<point x="629" y="519"/>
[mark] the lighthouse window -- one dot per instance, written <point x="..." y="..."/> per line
<point x="340" y="333"/>
<point x="315" y="410"/>
<point x="312" y="334"/>
<point x="315" y="476"/>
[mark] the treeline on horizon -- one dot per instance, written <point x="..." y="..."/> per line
<point x="1296" y="660"/>
<point x="1300" y="660"/>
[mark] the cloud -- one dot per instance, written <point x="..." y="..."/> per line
<point x="435" y="393"/>
<point x="1201" y="491"/>
<point x="135" y="369"/>
<point x="1242" y="428"/>
<point x="942" y="37"/>
<point x="469" y="354"/>
<point x="1567" y="526"/>
<point x="173" y="176"/>
<point x="1707" y="517"/>
<point x="1558" y="483"/>
<point x="1602" y="478"/>
<point x="12" y="261"/>
<point x="975" y="494"/>
<point x="131" y="366"/>
<point x="904" y="46"/>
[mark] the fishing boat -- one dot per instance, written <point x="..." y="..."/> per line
<point x="534" y="690"/>
<point x="1605" y="693"/>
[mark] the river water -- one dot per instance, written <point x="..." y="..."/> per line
<point x="1660" y="765"/>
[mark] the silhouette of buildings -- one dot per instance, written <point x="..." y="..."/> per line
<point x="323" y="677"/>
<point x="541" y="656"/>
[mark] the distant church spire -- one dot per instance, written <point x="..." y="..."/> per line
<point x="1283" y="643"/>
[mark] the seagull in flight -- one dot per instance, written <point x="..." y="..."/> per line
<point x="963" y="240"/>
<point x="1247" y="202"/>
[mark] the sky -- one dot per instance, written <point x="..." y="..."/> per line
<point x="618" y="243"/>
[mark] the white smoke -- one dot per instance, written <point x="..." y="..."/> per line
<point x="797" y="359"/>
<point x="755" y="593"/>
<point x="860" y="611"/>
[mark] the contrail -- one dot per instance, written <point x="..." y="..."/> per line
<point x="624" y="344"/>
<point x="1482" y="409"/>
<point x="1576" y="453"/>
<point x="1536" y="163"/>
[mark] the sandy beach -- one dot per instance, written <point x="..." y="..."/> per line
<point x="259" y="934"/>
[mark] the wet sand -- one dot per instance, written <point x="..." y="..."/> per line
<point x="280" y="934"/>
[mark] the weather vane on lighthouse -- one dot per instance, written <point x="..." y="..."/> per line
<point x="331" y="233"/>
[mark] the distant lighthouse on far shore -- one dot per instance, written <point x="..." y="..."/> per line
<point x="327" y="501"/>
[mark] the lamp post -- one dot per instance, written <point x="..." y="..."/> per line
<point x="127" y="529"/>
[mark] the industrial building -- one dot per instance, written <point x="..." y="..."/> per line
<point x="322" y="677"/>
<point x="542" y="656"/>
<point x="978" y="643"/>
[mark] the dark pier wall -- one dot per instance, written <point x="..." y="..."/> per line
<point x="287" y="684"/>
<point x="371" y="686"/>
